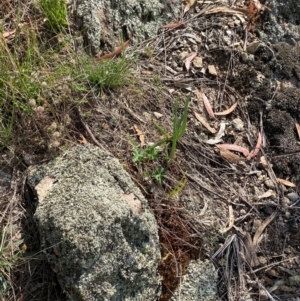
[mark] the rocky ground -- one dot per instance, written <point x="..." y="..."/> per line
<point x="236" y="208"/>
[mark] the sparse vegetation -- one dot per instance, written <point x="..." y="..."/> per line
<point x="158" y="174"/>
<point x="152" y="154"/>
<point x="43" y="77"/>
<point x="9" y="255"/>
<point x="55" y="12"/>
<point x="108" y="73"/>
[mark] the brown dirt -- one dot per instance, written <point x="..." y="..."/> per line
<point x="212" y="182"/>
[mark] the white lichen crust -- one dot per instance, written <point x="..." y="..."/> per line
<point x="101" y="21"/>
<point x="97" y="247"/>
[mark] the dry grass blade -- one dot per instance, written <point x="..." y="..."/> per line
<point x="231" y="220"/>
<point x="227" y="243"/>
<point x="176" y="25"/>
<point x="228" y="111"/>
<point x="298" y="129"/>
<point x="262" y="227"/>
<point x="249" y="250"/>
<point x="117" y="51"/>
<point x="202" y="96"/>
<point x="8" y="33"/>
<point x="234" y="147"/>
<point x="224" y="10"/>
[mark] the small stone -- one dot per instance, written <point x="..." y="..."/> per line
<point x="289" y="250"/>
<point x="158" y="115"/>
<point x="242" y="212"/>
<point x="270" y="184"/>
<point x="263" y="161"/>
<point x="198" y="62"/>
<point x="28" y="159"/>
<point x="287" y="214"/>
<point x="227" y="40"/>
<point x="285" y="202"/>
<point x="262" y="260"/>
<point x="147" y="116"/>
<point x="198" y="39"/>
<point x="272" y="273"/>
<point x="183" y="54"/>
<point x="238" y="124"/>
<point x="263" y="295"/>
<point x="244" y="57"/>
<point x="252" y="47"/>
<point x="212" y="70"/>
<point x="293" y="196"/>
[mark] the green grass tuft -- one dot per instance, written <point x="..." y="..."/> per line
<point x="55" y="12"/>
<point x="108" y="74"/>
<point x="9" y="255"/>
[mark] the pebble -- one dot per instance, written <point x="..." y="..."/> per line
<point x="238" y="124"/>
<point x="157" y="115"/>
<point x="269" y="183"/>
<point x="252" y="47"/>
<point x="263" y="295"/>
<point x="285" y="202"/>
<point x="293" y="196"/>
<point x="212" y="70"/>
<point x="198" y="62"/>
<point x="262" y="260"/>
<point x="183" y="54"/>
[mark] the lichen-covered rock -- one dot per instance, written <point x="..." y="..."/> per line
<point x="199" y="283"/>
<point x="96" y="228"/>
<point x="282" y="24"/>
<point x="102" y="20"/>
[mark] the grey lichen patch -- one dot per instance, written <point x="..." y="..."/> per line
<point x="282" y="24"/>
<point x="199" y="283"/>
<point x="142" y="17"/>
<point x="102" y="20"/>
<point x="98" y="248"/>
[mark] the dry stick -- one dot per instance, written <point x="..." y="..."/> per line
<point x="246" y="38"/>
<point x="274" y="264"/>
<point x="90" y="133"/>
<point x="165" y="53"/>
<point x="198" y="181"/>
<point x="226" y="78"/>
<point x="199" y="14"/>
<point x="128" y="110"/>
